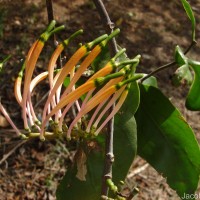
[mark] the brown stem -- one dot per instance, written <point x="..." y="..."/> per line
<point x="109" y="156"/>
<point x="108" y="24"/>
<point x="50" y="14"/>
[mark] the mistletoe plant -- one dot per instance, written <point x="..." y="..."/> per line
<point x="145" y="121"/>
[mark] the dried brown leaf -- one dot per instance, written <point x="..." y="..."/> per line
<point x="81" y="165"/>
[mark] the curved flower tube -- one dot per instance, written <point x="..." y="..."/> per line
<point x="31" y="62"/>
<point x="105" y="87"/>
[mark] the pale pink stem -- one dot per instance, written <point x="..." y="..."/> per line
<point x="111" y="102"/>
<point x="33" y="84"/>
<point x="58" y="94"/>
<point x="89" y="94"/>
<point x="73" y="88"/>
<point x="73" y="124"/>
<point x="26" y="126"/>
<point x="5" y="113"/>
<point x="94" y="115"/>
<point x="49" y="108"/>
<point x="56" y="99"/>
<point x="32" y="117"/>
<point x="51" y="102"/>
<point x="116" y="109"/>
<point x="94" y="101"/>
<point x="28" y="110"/>
<point x="63" y="115"/>
<point x="65" y="70"/>
<point x="32" y="112"/>
<point x="59" y="113"/>
<point x="52" y="64"/>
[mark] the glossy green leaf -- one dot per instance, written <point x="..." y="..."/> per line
<point x="125" y="135"/>
<point x="73" y="189"/>
<point x="193" y="97"/>
<point x="190" y="14"/>
<point x="125" y="145"/>
<point x="167" y="142"/>
<point x="180" y="58"/>
<point x="150" y="81"/>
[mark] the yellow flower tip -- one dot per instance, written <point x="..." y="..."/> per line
<point x="23" y="137"/>
<point x="37" y="123"/>
<point x="95" y="134"/>
<point x="28" y="130"/>
<point x="34" y="127"/>
<point x="93" y="130"/>
<point x="42" y="138"/>
<point x="60" y="132"/>
<point x="68" y="138"/>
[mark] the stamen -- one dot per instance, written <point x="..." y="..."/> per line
<point x="116" y="109"/>
<point x="95" y="114"/>
<point x="5" y="113"/>
<point x="90" y="105"/>
<point x="65" y="70"/>
<point x="111" y="102"/>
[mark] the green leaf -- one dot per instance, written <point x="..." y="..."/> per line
<point x="182" y="75"/>
<point x="180" y="58"/>
<point x="125" y="135"/>
<point x="125" y="145"/>
<point x="131" y="103"/>
<point x="101" y="60"/>
<point x="72" y="188"/>
<point x="193" y="97"/>
<point x="190" y="14"/>
<point x="151" y="81"/>
<point x="167" y="142"/>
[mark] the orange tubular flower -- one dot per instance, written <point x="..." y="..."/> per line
<point x="56" y="54"/>
<point x="97" y="99"/>
<point x="65" y="70"/>
<point x="31" y="62"/>
<point x="98" y="93"/>
<point x="76" y="94"/>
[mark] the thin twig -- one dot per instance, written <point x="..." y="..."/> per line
<point x="50" y="14"/>
<point x="12" y="151"/>
<point x="108" y="24"/>
<point x="190" y="47"/>
<point x="163" y="67"/>
<point x="158" y="70"/>
<point x="109" y="156"/>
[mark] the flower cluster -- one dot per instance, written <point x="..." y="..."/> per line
<point x="91" y="99"/>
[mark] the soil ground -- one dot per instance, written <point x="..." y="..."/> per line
<point x="152" y="29"/>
